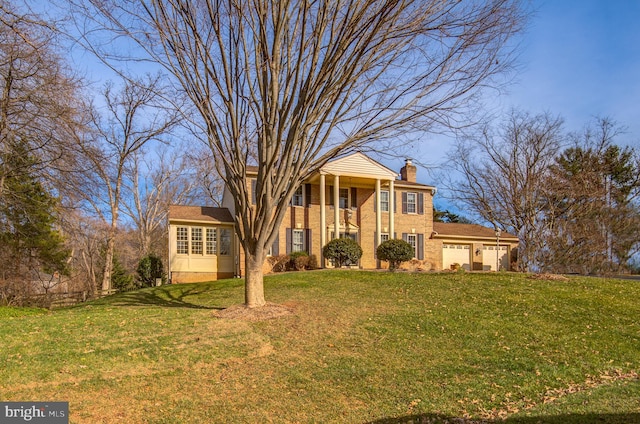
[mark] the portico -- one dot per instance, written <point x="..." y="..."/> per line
<point x="346" y="175"/>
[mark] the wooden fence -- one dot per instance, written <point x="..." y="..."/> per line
<point x="59" y="299"/>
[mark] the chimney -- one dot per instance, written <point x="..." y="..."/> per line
<point x="408" y="172"/>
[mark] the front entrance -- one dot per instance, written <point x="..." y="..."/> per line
<point x="351" y="232"/>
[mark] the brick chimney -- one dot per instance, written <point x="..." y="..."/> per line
<point x="408" y="172"/>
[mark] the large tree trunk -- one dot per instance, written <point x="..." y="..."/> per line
<point x="254" y="283"/>
<point x="108" y="263"/>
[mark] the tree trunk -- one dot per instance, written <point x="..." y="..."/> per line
<point x="254" y="281"/>
<point x="108" y="264"/>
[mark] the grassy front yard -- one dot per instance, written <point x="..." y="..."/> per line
<point x="359" y="347"/>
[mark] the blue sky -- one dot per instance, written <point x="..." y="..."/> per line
<point x="580" y="59"/>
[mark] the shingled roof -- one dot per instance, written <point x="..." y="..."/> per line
<point x="200" y="213"/>
<point x="454" y="229"/>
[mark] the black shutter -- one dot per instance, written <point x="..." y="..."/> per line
<point x="289" y="240"/>
<point x="307" y="240"/>
<point x="404" y="202"/>
<point x="395" y="209"/>
<point x="354" y="197"/>
<point x="307" y="195"/>
<point x="275" y="248"/>
<point x="420" y="203"/>
<point x="420" y="246"/>
<point x="330" y="195"/>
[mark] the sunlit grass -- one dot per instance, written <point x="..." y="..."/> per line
<point x="359" y="347"/>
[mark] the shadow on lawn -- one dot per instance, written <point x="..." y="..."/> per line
<point x="628" y="418"/>
<point x="166" y="297"/>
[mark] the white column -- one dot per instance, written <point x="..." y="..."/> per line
<point x="336" y="206"/>
<point x="378" y="215"/>
<point x="392" y="204"/>
<point x="323" y="218"/>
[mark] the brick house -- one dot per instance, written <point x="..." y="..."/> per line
<point x="373" y="205"/>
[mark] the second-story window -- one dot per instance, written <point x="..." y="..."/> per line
<point x="344" y="198"/>
<point x="384" y="201"/>
<point x="411" y="203"/>
<point x="298" y="197"/>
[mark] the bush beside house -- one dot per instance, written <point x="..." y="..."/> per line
<point x="395" y="252"/>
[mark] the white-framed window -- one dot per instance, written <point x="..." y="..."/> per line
<point x="384" y="237"/>
<point x="297" y="240"/>
<point x="413" y="241"/>
<point x="412" y="202"/>
<point x="225" y="241"/>
<point x="211" y="241"/>
<point x="298" y="197"/>
<point x="384" y="201"/>
<point x="343" y="198"/>
<point x="182" y="240"/>
<point x="196" y="241"/>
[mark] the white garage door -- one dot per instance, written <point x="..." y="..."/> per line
<point x="490" y="258"/>
<point x="456" y="253"/>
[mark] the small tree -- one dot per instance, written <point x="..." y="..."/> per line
<point x="342" y="251"/>
<point x="149" y="268"/>
<point x="120" y="279"/>
<point x="395" y="252"/>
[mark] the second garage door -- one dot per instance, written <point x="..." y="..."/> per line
<point x="490" y="258"/>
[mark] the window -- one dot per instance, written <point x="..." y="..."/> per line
<point x="344" y="198"/>
<point x="384" y="201"/>
<point x="182" y="237"/>
<point x="298" y="197"/>
<point x="411" y="239"/>
<point x="196" y="241"/>
<point x="211" y="241"/>
<point x="411" y="203"/>
<point x="225" y="241"/>
<point x="384" y="237"/>
<point x="297" y="241"/>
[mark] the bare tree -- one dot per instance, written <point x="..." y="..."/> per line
<point x="210" y="186"/>
<point x="155" y="182"/>
<point x="38" y="107"/>
<point x="296" y="83"/>
<point x="133" y="119"/>
<point x="499" y="177"/>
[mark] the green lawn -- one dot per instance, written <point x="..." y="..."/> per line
<point x="360" y="347"/>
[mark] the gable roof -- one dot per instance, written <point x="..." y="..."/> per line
<point x="358" y="165"/>
<point x="200" y="214"/>
<point x="457" y="230"/>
